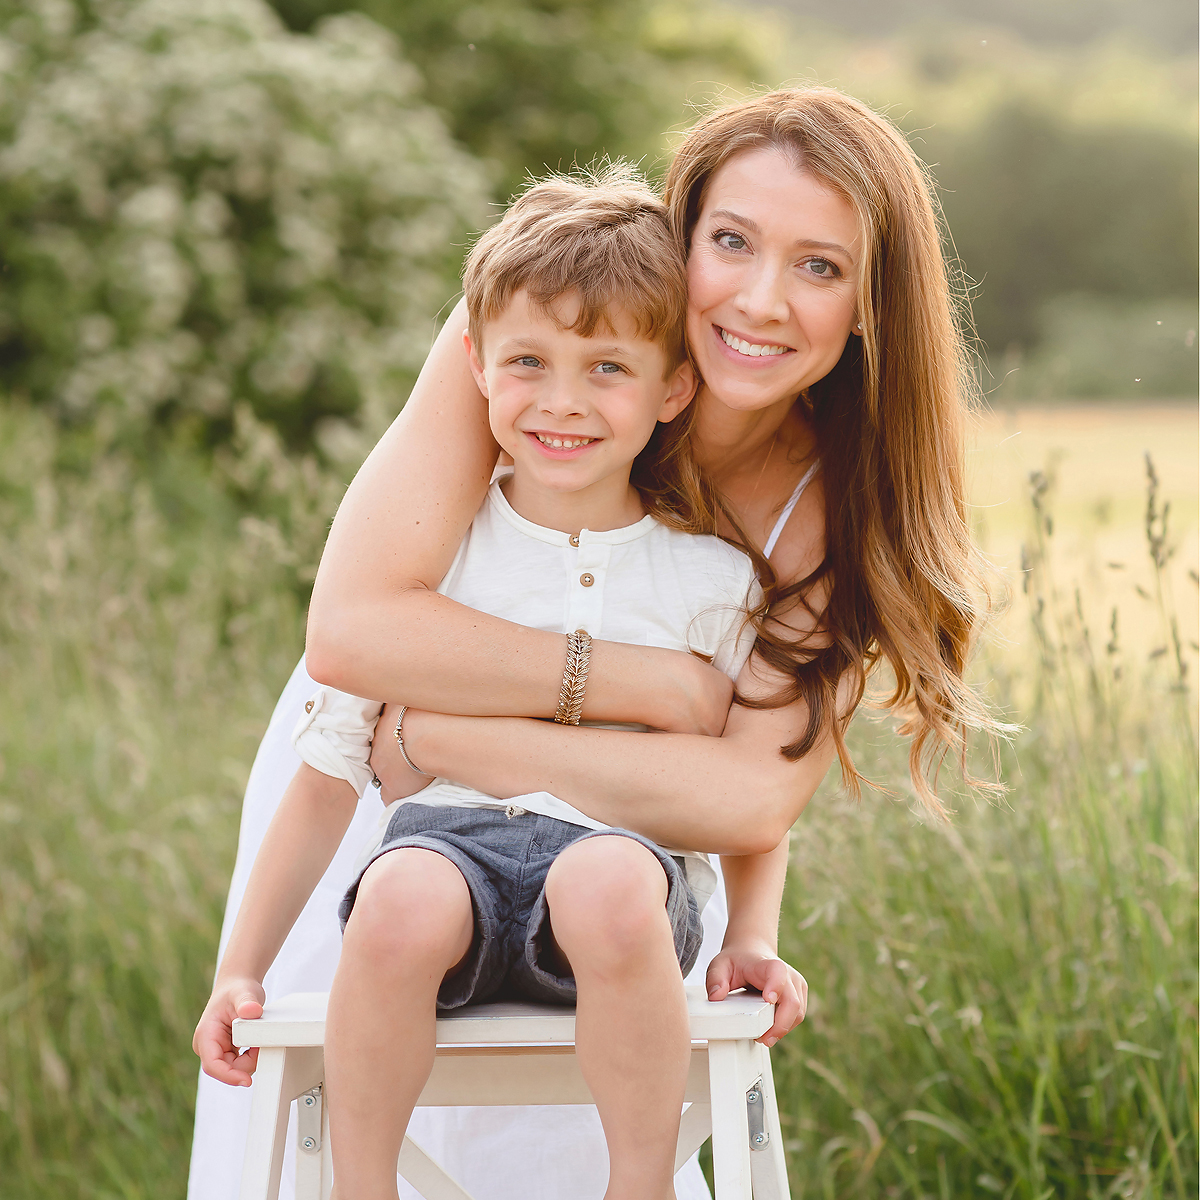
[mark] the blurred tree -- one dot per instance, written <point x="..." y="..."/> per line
<point x="1040" y="209"/>
<point x="200" y="209"/>
<point x="538" y="84"/>
<point x="1169" y="24"/>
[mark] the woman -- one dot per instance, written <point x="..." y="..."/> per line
<point x="826" y="438"/>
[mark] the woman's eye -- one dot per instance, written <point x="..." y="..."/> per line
<point x="728" y="240"/>
<point x="823" y="268"/>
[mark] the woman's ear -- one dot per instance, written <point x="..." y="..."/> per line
<point x="682" y="387"/>
<point x="476" y="365"/>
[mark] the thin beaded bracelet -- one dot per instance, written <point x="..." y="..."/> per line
<point x="400" y="743"/>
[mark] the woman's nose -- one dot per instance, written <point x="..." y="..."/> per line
<point x="763" y="295"/>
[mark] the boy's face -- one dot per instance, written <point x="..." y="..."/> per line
<point x="573" y="411"/>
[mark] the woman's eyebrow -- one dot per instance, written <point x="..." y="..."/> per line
<point x="754" y="227"/>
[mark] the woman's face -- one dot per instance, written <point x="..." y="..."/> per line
<point x="772" y="280"/>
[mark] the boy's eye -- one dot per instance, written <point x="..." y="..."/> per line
<point x="528" y="360"/>
<point x="610" y="368"/>
<point x="728" y="240"/>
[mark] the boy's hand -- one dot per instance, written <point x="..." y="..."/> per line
<point x="213" y="1039"/>
<point x="780" y="984"/>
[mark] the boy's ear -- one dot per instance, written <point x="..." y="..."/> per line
<point x="683" y="383"/>
<point x="476" y="365"/>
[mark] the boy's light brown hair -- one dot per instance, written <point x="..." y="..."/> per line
<point x="600" y="234"/>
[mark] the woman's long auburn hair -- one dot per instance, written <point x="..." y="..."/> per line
<point x="903" y="581"/>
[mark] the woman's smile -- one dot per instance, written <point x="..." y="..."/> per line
<point x="749" y="347"/>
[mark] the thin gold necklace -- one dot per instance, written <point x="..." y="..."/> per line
<point x="763" y="469"/>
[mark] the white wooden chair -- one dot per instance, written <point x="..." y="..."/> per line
<point x="516" y="1054"/>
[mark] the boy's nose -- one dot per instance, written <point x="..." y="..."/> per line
<point x="564" y="398"/>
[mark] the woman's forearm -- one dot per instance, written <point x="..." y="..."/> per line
<point x="733" y="795"/>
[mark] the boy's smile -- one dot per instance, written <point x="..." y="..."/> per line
<point x="573" y="412"/>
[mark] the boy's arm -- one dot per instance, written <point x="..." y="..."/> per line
<point x="750" y="952"/>
<point x="299" y="845"/>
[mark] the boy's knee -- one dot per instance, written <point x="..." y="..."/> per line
<point x="606" y="895"/>
<point x="411" y="902"/>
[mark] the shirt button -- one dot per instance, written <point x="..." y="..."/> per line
<point x="587" y="579"/>
<point x="308" y="707"/>
<point x="574" y="539"/>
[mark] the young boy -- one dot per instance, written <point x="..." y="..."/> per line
<point x="576" y="301"/>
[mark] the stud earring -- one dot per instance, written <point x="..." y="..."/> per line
<point x="858" y="326"/>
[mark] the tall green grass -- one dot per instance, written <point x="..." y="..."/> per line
<point x="1006" y="1006"/>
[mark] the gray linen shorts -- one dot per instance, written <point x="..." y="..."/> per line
<point x="505" y="861"/>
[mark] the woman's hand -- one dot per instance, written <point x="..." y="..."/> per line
<point x="213" y="1039"/>
<point x="758" y="968"/>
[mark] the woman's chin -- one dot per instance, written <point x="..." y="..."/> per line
<point x="749" y="395"/>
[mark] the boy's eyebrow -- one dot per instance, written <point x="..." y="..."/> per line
<point x="754" y="227"/>
<point x="610" y="349"/>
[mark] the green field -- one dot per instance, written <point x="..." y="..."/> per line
<point x="1006" y="1006"/>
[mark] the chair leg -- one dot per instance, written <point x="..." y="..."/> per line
<point x="768" y="1166"/>
<point x="282" y="1074"/>
<point x="427" y="1175"/>
<point x="695" y="1128"/>
<point x="326" y="1155"/>
<point x="312" y="1132"/>
<point x="730" y="1130"/>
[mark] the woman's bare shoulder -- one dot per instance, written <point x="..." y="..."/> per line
<point x="801" y="545"/>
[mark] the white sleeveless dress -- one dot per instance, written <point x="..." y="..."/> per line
<point x="549" y="1152"/>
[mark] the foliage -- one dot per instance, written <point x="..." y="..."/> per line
<point x="1166" y="23"/>
<point x="1039" y="209"/>
<point x="198" y="208"/>
<point x="1008" y="1005"/>
<point x="531" y="85"/>
<point x="140" y="644"/>
<point x="1093" y="346"/>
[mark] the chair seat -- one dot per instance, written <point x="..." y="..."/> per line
<point x="299" y="1020"/>
<point x="517" y="1053"/>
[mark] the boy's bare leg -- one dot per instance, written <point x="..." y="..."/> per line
<point x="607" y="901"/>
<point x="412" y="923"/>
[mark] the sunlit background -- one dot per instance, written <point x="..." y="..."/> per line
<point x="226" y="234"/>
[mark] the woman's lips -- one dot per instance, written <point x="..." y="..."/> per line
<point x="775" y="352"/>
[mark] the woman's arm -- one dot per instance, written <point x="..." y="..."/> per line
<point x="377" y="627"/>
<point x="734" y="794"/>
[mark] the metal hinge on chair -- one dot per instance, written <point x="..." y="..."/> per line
<point x="308" y="1121"/>
<point x="756" y="1117"/>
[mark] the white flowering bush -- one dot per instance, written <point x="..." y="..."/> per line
<point x="200" y="211"/>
